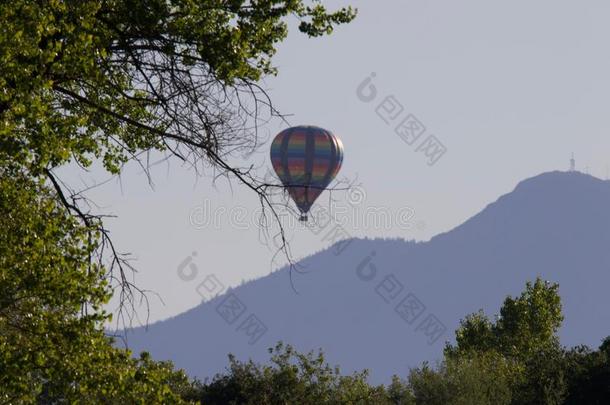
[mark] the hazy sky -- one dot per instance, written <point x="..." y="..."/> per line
<point x="509" y="88"/>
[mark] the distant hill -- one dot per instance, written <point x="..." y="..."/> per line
<point x="388" y="305"/>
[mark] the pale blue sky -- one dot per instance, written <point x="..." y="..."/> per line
<point x="510" y="88"/>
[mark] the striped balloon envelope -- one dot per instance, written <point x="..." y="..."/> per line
<point x="306" y="159"/>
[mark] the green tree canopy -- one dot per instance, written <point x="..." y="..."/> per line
<point x="292" y="378"/>
<point x="109" y="80"/>
<point x="87" y="79"/>
<point x="525" y="334"/>
<point x="52" y="345"/>
<point x="526" y="324"/>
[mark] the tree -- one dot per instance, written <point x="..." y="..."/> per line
<point x="526" y="324"/>
<point x="52" y="345"/>
<point x="479" y="379"/>
<point x="292" y="378"/>
<point x="110" y="80"/>
<point x="588" y="375"/>
<point x="113" y="80"/>
<point x="525" y="334"/>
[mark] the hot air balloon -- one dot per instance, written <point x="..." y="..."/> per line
<point x="306" y="159"/>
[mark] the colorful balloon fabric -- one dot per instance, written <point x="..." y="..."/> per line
<point x="306" y="159"/>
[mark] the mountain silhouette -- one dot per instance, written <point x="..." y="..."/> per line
<point x="389" y="305"/>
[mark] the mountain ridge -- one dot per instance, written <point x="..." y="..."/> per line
<point x="547" y="226"/>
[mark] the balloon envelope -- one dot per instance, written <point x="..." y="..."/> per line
<point x="306" y="159"/>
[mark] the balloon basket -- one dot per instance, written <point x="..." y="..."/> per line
<point x="303" y="218"/>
